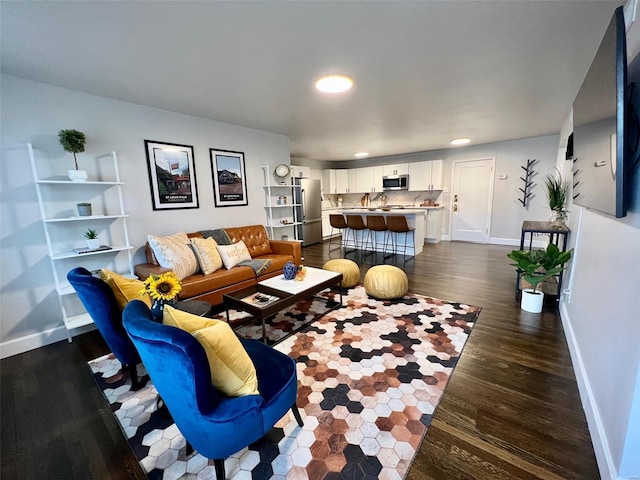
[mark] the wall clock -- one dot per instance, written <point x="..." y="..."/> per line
<point x="282" y="171"/>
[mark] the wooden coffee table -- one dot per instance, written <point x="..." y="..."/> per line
<point x="275" y="294"/>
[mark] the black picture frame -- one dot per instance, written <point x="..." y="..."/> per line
<point x="172" y="175"/>
<point x="229" y="178"/>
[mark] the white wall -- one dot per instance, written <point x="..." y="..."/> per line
<point x="601" y="322"/>
<point x="35" y="112"/>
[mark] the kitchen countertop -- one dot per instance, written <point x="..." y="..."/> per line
<point x="377" y="209"/>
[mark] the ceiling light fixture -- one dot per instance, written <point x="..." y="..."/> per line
<point x="361" y="154"/>
<point x="334" y="83"/>
<point x="460" y="141"/>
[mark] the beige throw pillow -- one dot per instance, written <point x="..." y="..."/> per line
<point x="207" y="254"/>
<point x="175" y="252"/>
<point x="233" y="254"/>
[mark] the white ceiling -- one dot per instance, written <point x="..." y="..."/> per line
<point x="425" y="71"/>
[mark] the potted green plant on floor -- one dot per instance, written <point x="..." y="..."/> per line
<point x="557" y="195"/>
<point x="73" y="141"/>
<point x="537" y="266"/>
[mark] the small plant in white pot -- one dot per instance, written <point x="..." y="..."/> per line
<point x="74" y="141"/>
<point x="537" y="266"/>
<point x="92" y="238"/>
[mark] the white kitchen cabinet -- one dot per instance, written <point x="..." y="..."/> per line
<point x="396" y="169"/>
<point x="369" y="179"/>
<point x="326" y="225"/>
<point x="342" y="181"/>
<point x="300" y="172"/>
<point x="433" y="232"/>
<point x="425" y="176"/>
<point x="352" y="181"/>
<point x="63" y="227"/>
<point x="364" y="179"/>
<point x="328" y="181"/>
<point x="437" y="175"/>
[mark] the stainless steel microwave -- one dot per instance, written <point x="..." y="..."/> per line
<point x="395" y="182"/>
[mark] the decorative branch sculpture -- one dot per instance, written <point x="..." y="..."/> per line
<point x="528" y="182"/>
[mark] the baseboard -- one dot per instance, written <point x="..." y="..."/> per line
<point x="594" y="421"/>
<point x="37" y="340"/>
<point x="515" y="242"/>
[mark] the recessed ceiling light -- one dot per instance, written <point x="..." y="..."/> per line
<point x="334" y="83"/>
<point x="361" y="154"/>
<point x="460" y="141"/>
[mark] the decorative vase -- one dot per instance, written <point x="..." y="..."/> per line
<point x="558" y="218"/>
<point x="289" y="270"/>
<point x="531" y="300"/>
<point x="84" y="209"/>
<point x="77" y="175"/>
<point x="157" y="308"/>
<point x="93" y="243"/>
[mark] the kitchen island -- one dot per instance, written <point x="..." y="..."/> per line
<point x="415" y="219"/>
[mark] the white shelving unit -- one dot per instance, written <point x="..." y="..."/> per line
<point x="281" y="218"/>
<point x="63" y="228"/>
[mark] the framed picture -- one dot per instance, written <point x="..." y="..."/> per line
<point x="229" y="179"/>
<point x="172" y="175"/>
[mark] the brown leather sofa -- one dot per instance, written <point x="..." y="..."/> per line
<point x="211" y="287"/>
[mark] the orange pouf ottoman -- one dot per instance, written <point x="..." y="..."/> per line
<point x="348" y="268"/>
<point x="386" y="282"/>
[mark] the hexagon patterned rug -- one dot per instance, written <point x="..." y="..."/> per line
<point x="370" y="376"/>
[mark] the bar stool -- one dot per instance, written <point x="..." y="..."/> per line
<point x="375" y="223"/>
<point x="397" y="224"/>
<point x="355" y="224"/>
<point x="336" y="221"/>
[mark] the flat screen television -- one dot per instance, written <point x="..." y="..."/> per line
<point x="599" y="126"/>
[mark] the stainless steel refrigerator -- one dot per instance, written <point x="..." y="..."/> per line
<point x="309" y="211"/>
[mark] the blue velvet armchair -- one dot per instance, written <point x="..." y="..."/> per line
<point x="99" y="300"/>
<point x="212" y="423"/>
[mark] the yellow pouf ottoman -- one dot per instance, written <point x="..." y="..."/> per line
<point x="348" y="268"/>
<point x="386" y="282"/>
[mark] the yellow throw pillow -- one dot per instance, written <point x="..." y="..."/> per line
<point x="207" y="254"/>
<point x="185" y="321"/>
<point x="125" y="289"/>
<point x="232" y="371"/>
<point x="233" y="254"/>
<point x="175" y="252"/>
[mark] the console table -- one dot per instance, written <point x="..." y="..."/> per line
<point x="556" y="234"/>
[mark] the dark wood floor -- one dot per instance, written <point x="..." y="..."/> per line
<point x="511" y="409"/>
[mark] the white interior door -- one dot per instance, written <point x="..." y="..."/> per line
<point x="471" y="198"/>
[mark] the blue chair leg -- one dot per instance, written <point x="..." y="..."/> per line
<point x="219" y="466"/>
<point x="133" y="373"/>
<point x="296" y="414"/>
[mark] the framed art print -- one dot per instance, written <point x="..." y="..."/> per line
<point x="172" y="175"/>
<point x="229" y="179"/>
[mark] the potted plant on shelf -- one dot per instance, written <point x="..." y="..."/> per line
<point x="74" y="141"/>
<point x="557" y="194"/>
<point x="84" y="209"/>
<point x="537" y="266"/>
<point x="92" y="238"/>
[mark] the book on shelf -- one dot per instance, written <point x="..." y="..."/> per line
<point x="260" y="299"/>
<point x="91" y="250"/>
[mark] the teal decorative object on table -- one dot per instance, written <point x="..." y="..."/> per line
<point x="289" y="270"/>
<point x="157" y="308"/>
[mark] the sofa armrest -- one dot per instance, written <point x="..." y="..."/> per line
<point x="287" y="247"/>
<point x="143" y="270"/>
